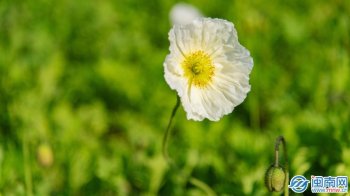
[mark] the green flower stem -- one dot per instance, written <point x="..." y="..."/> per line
<point x="168" y="131"/>
<point x="27" y="170"/>
<point x="280" y="140"/>
<point x="194" y="181"/>
<point x="200" y="184"/>
<point x="276" y="158"/>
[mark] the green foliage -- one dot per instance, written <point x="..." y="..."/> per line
<point x="85" y="78"/>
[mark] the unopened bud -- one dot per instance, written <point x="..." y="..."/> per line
<point x="275" y="178"/>
<point x="45" y="155"/>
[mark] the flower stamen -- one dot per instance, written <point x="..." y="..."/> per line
<point x="198" y="68"/>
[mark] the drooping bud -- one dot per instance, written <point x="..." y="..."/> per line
<point x="275" y="178"/>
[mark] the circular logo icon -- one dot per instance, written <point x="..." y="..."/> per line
<point x="298" y="184"/>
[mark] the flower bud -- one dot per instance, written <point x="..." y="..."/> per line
<point x="275" y="178"/>
<point x="45" y="155"/>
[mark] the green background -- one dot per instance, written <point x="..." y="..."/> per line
<point x="85" y="79"/>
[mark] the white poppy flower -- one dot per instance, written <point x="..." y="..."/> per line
<point x="183" y="13"/>
<point x="208" y="68"/>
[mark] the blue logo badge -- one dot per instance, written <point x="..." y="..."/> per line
<point x="298" y="184"/>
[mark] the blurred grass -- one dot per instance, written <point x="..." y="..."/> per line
<point x="86" y="79"/>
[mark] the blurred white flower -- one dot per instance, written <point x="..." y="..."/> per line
<point x="183" y="13"/>
<point x="208" y="68"/>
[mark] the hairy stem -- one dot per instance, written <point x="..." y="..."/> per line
<point x="27" y="170"/>
<point x="280" y="140"/>
<point x="168" y="131"/>
<point x="194" y="181"/>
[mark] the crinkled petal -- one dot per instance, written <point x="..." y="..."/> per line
<point x="233" y="64"/>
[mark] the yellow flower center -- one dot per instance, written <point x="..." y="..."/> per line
<point x="198" y="68"/>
